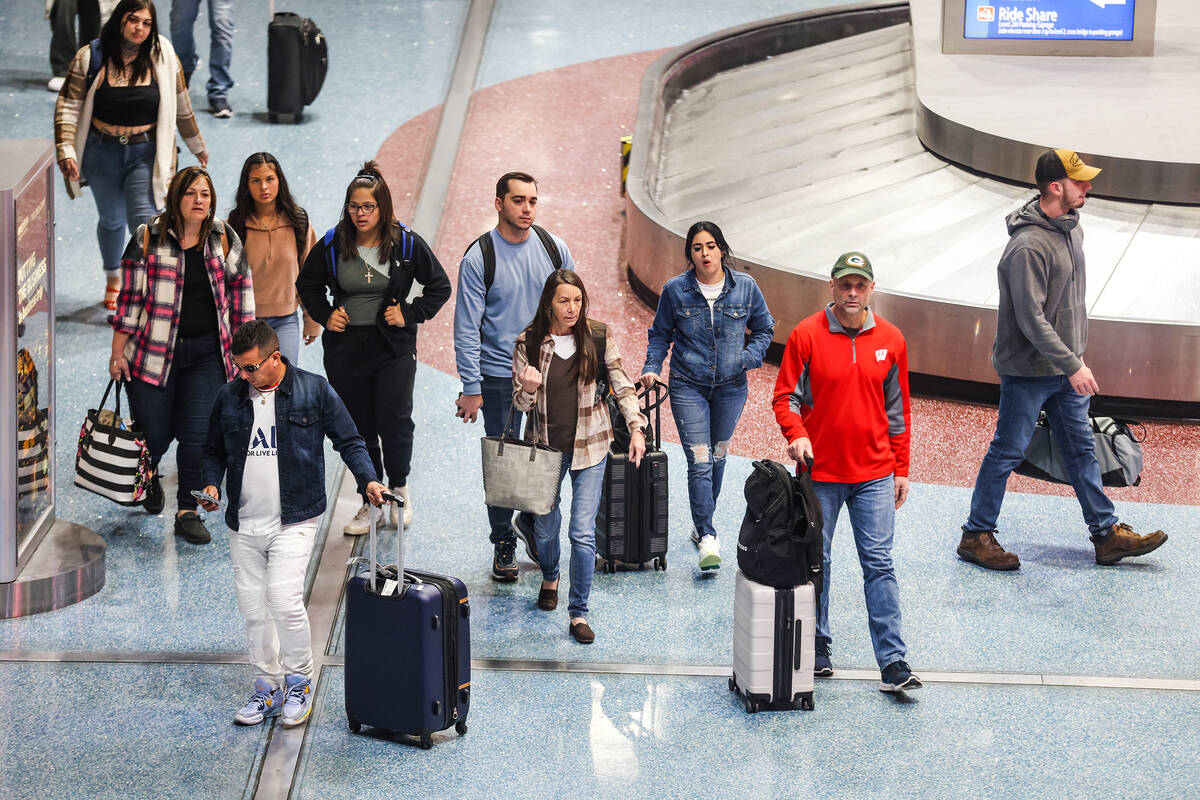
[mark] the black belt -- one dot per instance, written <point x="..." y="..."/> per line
<point x="126" y="138"/>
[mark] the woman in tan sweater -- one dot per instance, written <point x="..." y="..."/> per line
<point x="277" y="236"/>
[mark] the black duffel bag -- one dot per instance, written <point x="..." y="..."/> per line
<point x="780" y="542"/>
<point x="1118" y="452"/>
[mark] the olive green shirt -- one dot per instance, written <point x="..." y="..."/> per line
<point x="361" y="296"/>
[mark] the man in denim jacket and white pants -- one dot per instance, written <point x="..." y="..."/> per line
<point x="267" y="432"/>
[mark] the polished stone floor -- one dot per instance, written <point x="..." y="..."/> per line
<point x="1061" y="680"/>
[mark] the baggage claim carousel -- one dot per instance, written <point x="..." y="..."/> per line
<point x="816" y="133"/>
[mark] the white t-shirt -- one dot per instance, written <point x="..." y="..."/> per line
<point x="711" y="292"/>
<point x="564" y="346"/>
<point x="259" y="509"/>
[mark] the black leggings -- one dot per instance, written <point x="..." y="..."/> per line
<point x="377" y="389"/>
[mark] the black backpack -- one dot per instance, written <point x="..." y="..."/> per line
<point x="488" y="250"/>
<point x="780" y="542"/>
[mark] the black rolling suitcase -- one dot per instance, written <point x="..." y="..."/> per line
<point x="408" y="648"/>
<point x="631" y="525"/>
<point x="297" y="59"/>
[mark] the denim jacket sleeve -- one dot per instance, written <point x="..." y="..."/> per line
<point x="660" y="333"/>
<point x="762" y="328"/>
<point x="338" y="426"/>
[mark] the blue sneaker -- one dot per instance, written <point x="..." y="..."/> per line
<point x="267" y="701"/>
<point x="896" y="677"/>
<point x="297" y="702"/>
<point x="822" y="666"/>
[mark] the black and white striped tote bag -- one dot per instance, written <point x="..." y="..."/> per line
<point x="112" y="459"/>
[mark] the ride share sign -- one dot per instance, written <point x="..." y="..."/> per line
<point x="1085" y="20"/>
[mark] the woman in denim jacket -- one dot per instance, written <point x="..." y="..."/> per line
<point x="706" y="313"/>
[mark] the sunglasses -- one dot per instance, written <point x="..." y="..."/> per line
<point x="250" y="369"/>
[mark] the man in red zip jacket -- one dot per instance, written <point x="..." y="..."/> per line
<point x="841" y="399"/>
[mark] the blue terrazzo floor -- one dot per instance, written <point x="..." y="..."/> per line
<point x="163" y="730"/>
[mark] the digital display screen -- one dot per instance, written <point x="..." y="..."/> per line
<point x="1084" y="20"/>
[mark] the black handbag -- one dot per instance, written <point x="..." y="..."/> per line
<point x="1118" y="451"/>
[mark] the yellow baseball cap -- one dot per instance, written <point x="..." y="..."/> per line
<point x="1054" y="165"/>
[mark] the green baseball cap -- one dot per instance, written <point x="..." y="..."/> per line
<point x="853" y="263"/>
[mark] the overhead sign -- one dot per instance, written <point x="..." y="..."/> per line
<point x="1083" y="20"/>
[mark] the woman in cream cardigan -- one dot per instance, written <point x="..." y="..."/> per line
<point x="115" y="125"/>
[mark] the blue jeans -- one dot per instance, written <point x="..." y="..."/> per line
<point x="872" y="507"/>
<point x="120" y="176"/>
<point x="1067" y="412"/>
<point x="180" y="409"/>
<point x="288" y="330"/>
<point x="220" y="54"/>
<point x="585" y="502"/>
<point x="497" y="400"/>
<point x="706" y="417"/>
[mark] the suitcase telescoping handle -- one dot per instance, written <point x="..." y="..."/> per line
<point x="659" y="392"/>
<point x="388" y="497"/>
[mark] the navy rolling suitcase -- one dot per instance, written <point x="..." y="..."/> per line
<point x="408" y="648"/>
<point x="631" y="524"/>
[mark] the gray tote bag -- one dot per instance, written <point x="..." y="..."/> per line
<point x="520" y="475"/>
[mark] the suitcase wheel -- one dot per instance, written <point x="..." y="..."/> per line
<point x="732" y="685"/>
<point x="751" y="706"/>
<point x="610" y="566"/>
<point x="806" y="702"/>
<point x="355" y="725"/>
<point x="426" y="742"/>
<point x="460" y="727"/>
<point x="660" y="563"/>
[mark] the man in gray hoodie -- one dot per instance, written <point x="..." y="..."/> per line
<point x="1041" y="333"/>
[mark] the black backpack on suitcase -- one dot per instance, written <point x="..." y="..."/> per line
<point x="297" y="60"/>
<point x="780" y="543"/>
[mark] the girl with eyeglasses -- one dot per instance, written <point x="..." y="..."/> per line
<point x="356" y="282"/>
<point x="185" y="288"/>
<point x="276" y="235"/>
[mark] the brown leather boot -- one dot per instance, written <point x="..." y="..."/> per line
<point x="981" y="547"/>
<point x="1122" y="542"/>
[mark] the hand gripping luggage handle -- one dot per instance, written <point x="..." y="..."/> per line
<point x="388" y="497"/>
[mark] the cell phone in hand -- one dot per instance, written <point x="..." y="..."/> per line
<point x="205" y="497"/>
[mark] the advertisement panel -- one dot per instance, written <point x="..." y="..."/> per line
<point x="1081" y="20"/>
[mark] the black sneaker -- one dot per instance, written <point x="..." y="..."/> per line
<point x="896" y="677"/>
<point x="504" y="563"/>
<point x="822" y="666"/>
<point x="523" y="525"/>
<point x="154" y="501"/>
<point x="189" y="526"/>
<point x="220" y="109"/>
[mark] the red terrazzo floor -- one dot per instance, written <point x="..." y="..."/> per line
<point x="563" y="126"/>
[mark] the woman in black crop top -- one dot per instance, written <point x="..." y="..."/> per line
<point x="115" y="124"/>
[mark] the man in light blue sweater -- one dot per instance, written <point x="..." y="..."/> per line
<point x="500" y="280"/>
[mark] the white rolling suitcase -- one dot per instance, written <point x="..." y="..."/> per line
<point x="774" y="643"/>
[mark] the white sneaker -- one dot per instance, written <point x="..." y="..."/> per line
<point x="55" y="85"/>
<point x="393" y="512"/>
<point x="361" y="523"/>
<point x="710" y="553"/>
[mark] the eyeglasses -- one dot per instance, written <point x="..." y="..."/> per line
<point x="365" y="208"/>
<point x="250" y="369"/>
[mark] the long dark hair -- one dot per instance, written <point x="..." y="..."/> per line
<point x="345" y="239"/>
<point x="170" y="218"/>
<point x="718" y="237"/>
<point x="537" y="331"/>
<point x="112" y="37"/>
<point x="243" y="202"/>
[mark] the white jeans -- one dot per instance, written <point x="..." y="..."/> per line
<point x="269" y="566"/>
